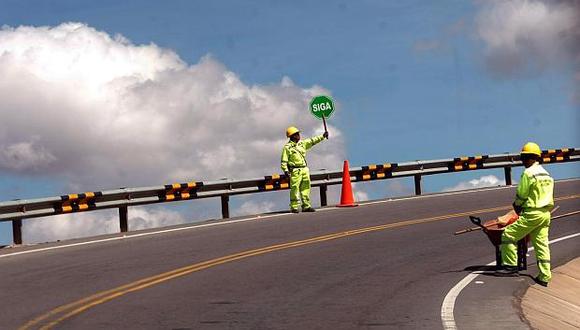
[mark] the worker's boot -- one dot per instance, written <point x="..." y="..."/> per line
<point x="308" y="209"/>
<point x="540" y="282"/>
<point x="294" y="210"/>
<point x="507" y="271"/>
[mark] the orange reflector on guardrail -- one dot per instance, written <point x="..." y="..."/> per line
<point x="376" y="171"/>
<point x="274" y="182"/>
<point x="467" y="163"/>
<point x="77" y="202"/>
<point x="180" y="191"/>
<point x="556" y="155"/>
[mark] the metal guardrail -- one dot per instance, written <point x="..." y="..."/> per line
<point x="17" y="210"/>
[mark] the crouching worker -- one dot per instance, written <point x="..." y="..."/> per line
<point x="534" y="200"/>
<point x="294" y="165"/>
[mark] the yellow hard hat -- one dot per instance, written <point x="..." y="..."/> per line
<point x="291" y="131"/>
<point x="531" y="148"/>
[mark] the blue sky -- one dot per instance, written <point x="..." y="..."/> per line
<point x="412" y="77"/>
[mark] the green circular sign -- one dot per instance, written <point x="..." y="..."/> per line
<point x="321" y="106"/>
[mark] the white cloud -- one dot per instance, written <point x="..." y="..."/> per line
<point x="96" y="223"/>
<point x="526" y="37"/>
<point x="255" y="207"/>
<point x="24" y="156"/>
<point x="519" y="33"/>
<point x="400" y="187"/>
<point x="137" y="114"/>
<point x="360" y="196"/>
<point x="99" y="112"/>
<point x="482" y="182"/>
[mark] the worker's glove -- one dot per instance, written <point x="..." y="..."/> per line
<point x="287" y="174"/>
<point x="517" y="208"/>
<point x="506" y="219"/>
<point x="325" y="135"/>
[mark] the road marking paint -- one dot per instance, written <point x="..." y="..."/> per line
<point x="104" y="296"/>
<point x="69" y="310"/>
<point x="448" y="306"/>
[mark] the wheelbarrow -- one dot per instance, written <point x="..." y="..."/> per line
<point x="493" y="229"/>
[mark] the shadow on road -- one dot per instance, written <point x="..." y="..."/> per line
<point x="486" y="270"/>
<point x="480" y="268"/>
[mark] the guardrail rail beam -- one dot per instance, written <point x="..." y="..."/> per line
<point x="124" y="198"/>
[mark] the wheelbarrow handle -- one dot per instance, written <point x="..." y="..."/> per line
<point x="468" y="230"/>
<point x="476" y="221"/>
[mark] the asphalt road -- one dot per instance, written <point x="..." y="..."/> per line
<point x="386" y="265"/>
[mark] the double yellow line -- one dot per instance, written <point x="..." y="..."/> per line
<point x="60" y="314"/>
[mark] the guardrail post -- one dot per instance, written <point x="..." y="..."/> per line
<point x="508" y="175"/>
<point x="417" y="184"/>
<point x="17" y="231"/>
<point x="123" y="223"/>
<point x="225" y="206"/>
<point x="323" y="198"/>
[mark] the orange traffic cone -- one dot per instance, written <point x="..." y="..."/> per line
<point x="346" y="196"/>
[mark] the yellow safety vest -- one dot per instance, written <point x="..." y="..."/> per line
<point x="536" y="188"/>
<point x="294" y="154"/>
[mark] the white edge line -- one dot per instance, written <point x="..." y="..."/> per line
<point x="451" y="193"/>
<point x="140" y="235"/>
<point x="447" y="317"/>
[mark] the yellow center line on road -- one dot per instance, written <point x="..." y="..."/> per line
<point x="67" y="311"/>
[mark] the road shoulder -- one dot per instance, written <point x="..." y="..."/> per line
<point x="558" y="305"/>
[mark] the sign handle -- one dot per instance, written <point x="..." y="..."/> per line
<point x="324" y="121"/>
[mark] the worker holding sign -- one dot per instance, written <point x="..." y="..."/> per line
<point x="293" y="161"/>
<point x="294" y="165"/>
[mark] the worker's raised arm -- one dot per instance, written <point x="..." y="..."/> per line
<point x="309" y="143"/>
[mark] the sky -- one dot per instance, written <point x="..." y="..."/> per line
<point x="109" y="94"/>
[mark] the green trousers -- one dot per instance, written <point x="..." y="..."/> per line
<point x="536" y="223"/>
<point x="300" y="188"/>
